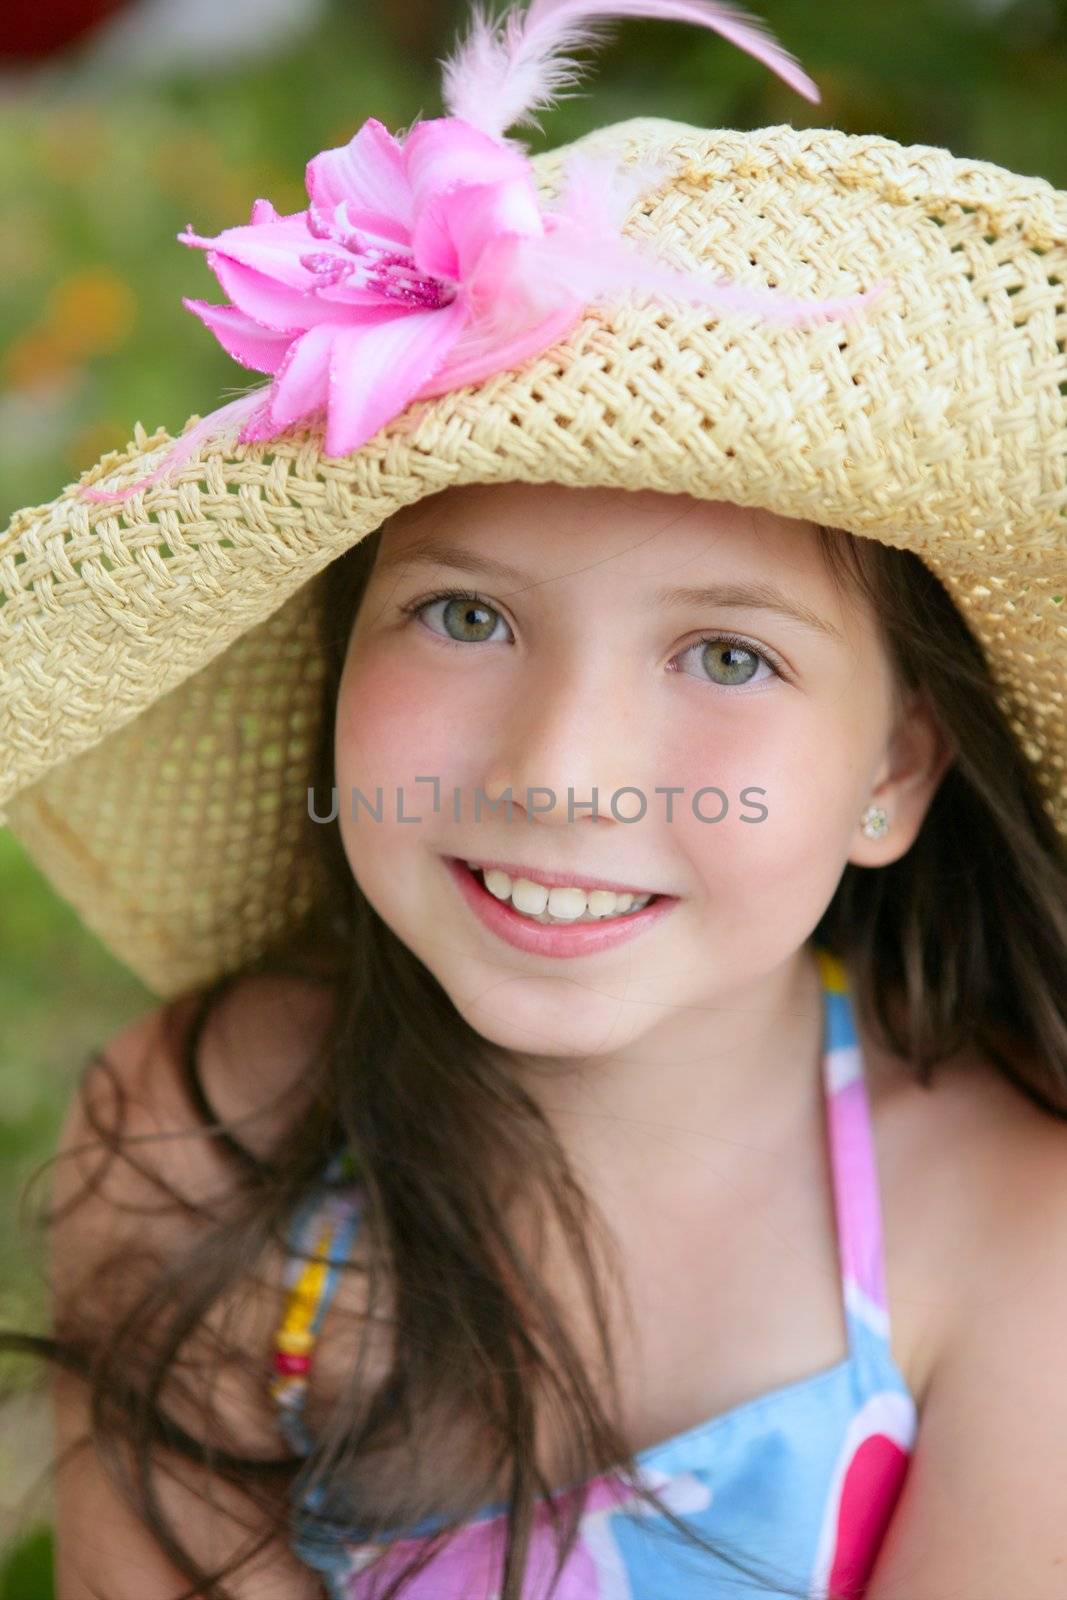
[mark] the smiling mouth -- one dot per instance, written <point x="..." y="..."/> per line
<point x="558" y="906"/>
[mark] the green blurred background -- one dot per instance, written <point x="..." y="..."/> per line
<point x="103" y="159"/>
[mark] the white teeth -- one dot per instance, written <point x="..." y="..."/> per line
<point x="541" y="904"/>
<point x="534" y="897"/>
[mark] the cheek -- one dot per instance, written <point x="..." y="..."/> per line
<point x="746" y="759"/>
<point x="792" y="780"/>
<point x="398" y="718"/>
<point x="397" y="723"/>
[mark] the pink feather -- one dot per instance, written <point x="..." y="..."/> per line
<point x="210" y="427"/>
<point x="504" y="71"/>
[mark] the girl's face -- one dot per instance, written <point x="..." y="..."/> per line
<point x="619" y="641"/>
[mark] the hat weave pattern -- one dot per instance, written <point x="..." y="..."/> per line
<point x="159" y="672"/>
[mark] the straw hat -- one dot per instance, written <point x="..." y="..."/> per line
<point x="159" y="676"/>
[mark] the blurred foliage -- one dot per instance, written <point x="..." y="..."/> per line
<point x="99" y="176"/>
<point x="61" y="994"/>
<point x="27" y="1574"/>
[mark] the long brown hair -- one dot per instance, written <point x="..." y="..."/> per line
<point x="962" y="942"/>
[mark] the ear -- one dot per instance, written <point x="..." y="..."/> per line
<point x="917" y="757"/>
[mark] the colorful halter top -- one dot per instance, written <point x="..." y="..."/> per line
<point x="800" y="1483"/>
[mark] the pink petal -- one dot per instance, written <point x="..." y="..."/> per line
<point x="432" y="244"/>
<point x="246" y="341"/>
<point x="374" y="372"/>
<point x="365" y="301"/>
<point x="300" y="386"/>
<point x="484" y="355"/>
<point x="455" y="228"/>
<point x="369" y="171"/>
<point x="446" y="158"/>
<point x="444" y="151"/>
<point x="376" y="225"/>
<point x="467" y="189"/>
<point x="511" y="315"/>
<point x="273" y="305"/>
<point x="273" y="248"/>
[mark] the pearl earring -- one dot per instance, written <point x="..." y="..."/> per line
<point x="875" y="822"/>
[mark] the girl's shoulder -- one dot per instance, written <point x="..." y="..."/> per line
<point x="981" y="1186"/>
<point x="114" y="1234"/>
<point x="253" y="1048"/>
<point x="965" y="1164"/>
<point x="137" y="1179"/>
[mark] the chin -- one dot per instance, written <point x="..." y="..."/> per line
<point x="540" y="1017"/>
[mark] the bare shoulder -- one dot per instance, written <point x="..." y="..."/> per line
<point x="256" y="1048"/>
<point x="982" y="1509"/>
<point x="252" y="1049"/>
<point x="139" y="1173"/>
<point x="1012" y="1159"/>
<point x="994" y="1145"/>
<point x="968" y="1167"/>
<point x="137" y="1181"/>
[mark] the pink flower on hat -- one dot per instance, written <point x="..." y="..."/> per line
<point x="425" y="263"/>
<point x="408" y="268"/>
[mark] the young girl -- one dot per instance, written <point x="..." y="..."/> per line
<point x="600" y="836"/>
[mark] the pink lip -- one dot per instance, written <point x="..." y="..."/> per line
<point x="559" y="880"/>
<point x="537" y="938"/>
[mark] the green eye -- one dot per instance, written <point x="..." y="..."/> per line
<point x="467" y="618"/>
<point x="469" y="621"/>
<point x="734" y="662"/>
<point x="727" y="662"/>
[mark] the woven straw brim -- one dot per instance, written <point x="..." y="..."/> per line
<point x="159" y="672"/>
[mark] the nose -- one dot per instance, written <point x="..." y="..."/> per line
<point x="572" y="741"/>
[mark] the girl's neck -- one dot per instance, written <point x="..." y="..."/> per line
<point x="746" y="1067"/>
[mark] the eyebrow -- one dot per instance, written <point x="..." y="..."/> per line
<point x="749" y="595"/>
